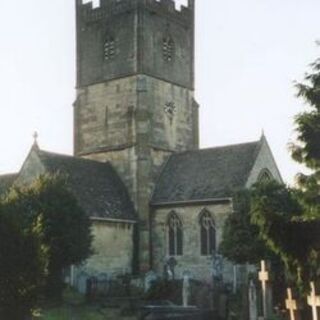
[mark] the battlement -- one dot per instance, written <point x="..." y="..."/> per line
<point x="106" y="8"/>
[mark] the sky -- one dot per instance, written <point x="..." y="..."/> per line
<point x="248" y="55"/>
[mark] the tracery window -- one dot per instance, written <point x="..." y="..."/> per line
<point x="175" y="235"/>
<point x="168" y="49"/>
<point x="265" y="176"/>
<point x="109" y="48"/>
<point x="207" y="233"/>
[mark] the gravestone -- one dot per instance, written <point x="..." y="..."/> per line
<point x="252" y="295"/>
<point x="150" y="278"/>
<point x="292" y="306"/>
<point x="217" y="267"/>
<point x="171" y="265"/>
<point x="81" y="282"/>
<point x="266" y="291"/>
<point x="219" y="300"/>
<point x="314" y="301"/>
<point x="186" y="292"/>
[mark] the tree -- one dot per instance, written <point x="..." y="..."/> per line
<point x="66" y="229"/>
<point x="307" y="148"/>
<point x="240" y="239"/>
<point x="22" y="261"/>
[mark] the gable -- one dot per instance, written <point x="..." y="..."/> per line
<point x="264" y="163"/>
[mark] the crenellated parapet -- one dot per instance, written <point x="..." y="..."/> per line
<point x="89" y="13"/>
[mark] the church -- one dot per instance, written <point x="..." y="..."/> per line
<point x="137" y="170"/>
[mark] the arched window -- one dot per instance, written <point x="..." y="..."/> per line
<point x="109" y="48"/>
<point x="207" y="233"/>
<point x="175" y="235"/>
<point x="265" y="176"/>
<point x="167" y="49"/>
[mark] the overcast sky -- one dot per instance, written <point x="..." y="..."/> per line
<point x="248" y="53"/>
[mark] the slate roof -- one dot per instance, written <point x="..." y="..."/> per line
<point x="6" y="182"/>
<point x="96" y="186"/>
<point x="205" y="174"/>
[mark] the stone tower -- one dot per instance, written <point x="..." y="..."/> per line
<point x="135" y="92"/>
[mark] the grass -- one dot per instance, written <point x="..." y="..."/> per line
<point x="74" y="307"/>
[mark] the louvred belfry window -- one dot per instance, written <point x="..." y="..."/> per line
<point x="207" y="234"/>
<point x="168" y="49"/>
<point x="109" y="48"/>
<point x="175" y="235"/>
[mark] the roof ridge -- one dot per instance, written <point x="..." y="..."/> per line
<point x="218" y="147"/>
<point x="71" y="157"/>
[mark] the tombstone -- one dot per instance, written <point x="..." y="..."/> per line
<point x="150" y="278"/>
<point x="292" y="306"/>
<point x="171" y="264"/>
<point x="81" y="282"/>
<point x="314" y="301"/>
<point x="186" y="291"/>
<point x="217" y="267"/>
<point x="252" y="297"/>
<point x="266" y="291"/>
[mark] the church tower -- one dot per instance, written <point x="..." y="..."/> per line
<point x="135" y="92"/>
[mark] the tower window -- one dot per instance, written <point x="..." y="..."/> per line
<point x="175" y="235"/>
<point x="168" y="49"/>
<point x="207" y="233"/>
<point x="109" y="49"/>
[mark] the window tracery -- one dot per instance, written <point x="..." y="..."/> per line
<point x="175" y="235"/>
<point x="207" y="233"/>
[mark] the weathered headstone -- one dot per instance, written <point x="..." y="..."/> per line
<point x="171" y="263"/>
<point x="149" y="279"/>
<point x="186" y="288"/>
<point x="314" y="301"/>
<point x="217" y="267"/>
<point x="292" y="305"/>
<point x="252" y="295"/>
<point x="81" y="282"/>
<point x="264" y="278"/>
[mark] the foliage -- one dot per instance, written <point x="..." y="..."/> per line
<point x="42" y="231"/>
<point x="307" y="149"/>
<point x="66" y="229"/>
<point x="22" y="261"/>
<point x="240" y="240"/>
<point x="279" y="214"/>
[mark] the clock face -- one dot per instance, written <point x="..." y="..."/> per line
<point x="170" y="109"/>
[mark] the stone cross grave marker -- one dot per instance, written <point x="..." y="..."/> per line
<point x="291" y="305"/>
<point x="314" y="301"/>
<point x="264" y="278"/>
<point x="186" y="288"/>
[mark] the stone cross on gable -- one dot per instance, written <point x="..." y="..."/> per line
<point x="314" y="301"/>
<point x="264" y="278"/>
<point x="291" y="305"/>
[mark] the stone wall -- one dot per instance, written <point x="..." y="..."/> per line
<point x="192" y="260"/>
<point x="137" y="29"/>
<point x="113" y="249"/>
<point x="127" y="122"/>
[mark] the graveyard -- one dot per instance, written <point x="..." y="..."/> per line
<point x="153" y="298"/>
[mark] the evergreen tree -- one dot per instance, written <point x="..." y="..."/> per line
<point x="22" y="260"/>
<point x="66" y="229"/>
